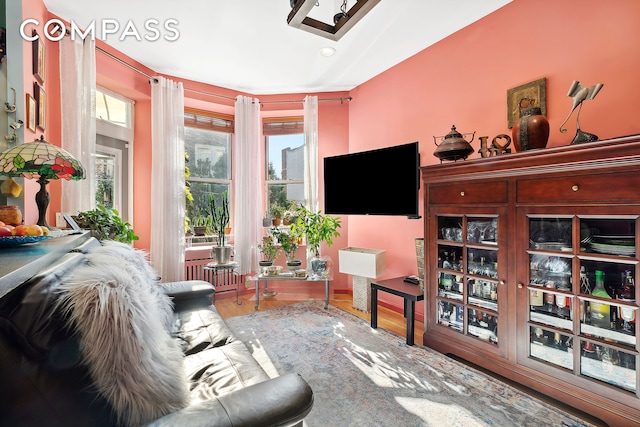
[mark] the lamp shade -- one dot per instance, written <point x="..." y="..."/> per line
<point x="40" y="159"/>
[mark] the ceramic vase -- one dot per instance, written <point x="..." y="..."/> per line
<point x="531" y="130"/>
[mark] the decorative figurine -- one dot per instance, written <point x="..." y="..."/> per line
<point x="579" y="94"/>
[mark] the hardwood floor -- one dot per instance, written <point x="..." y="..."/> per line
<point x="387" y="319"/>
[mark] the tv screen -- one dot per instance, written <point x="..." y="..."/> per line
<point x="385" y="181"/>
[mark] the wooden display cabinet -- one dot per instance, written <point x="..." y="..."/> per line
<point x="512" y="246"/>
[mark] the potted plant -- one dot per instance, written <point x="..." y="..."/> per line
<point x="276" y="211"/>
<point x="106" y="224"/>
<point x="269" y="250"/>
<point x="289" y="242"/>
<point x="317" y="228"/>
<point x="200" y="225"/>
<point x="219" y="222"/>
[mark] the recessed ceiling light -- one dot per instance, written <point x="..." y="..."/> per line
<point x="327" y="51"/>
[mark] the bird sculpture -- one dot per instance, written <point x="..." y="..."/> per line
<point x="579" y="94"/>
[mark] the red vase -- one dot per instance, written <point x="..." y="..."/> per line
<point x="531" y="130"/>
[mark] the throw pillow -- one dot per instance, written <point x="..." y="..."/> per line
<point x="133" y="361"/>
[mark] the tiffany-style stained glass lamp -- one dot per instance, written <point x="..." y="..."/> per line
<point x="42" y="161"/>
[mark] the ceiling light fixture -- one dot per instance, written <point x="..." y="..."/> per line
<point x="327" y="51"/>
<point x="343" y="21"/>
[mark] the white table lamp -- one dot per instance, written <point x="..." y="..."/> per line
<point x="364" y="264"/>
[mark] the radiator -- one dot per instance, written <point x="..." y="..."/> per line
<point x="223" y="280"/>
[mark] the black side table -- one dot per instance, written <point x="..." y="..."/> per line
<point x="397" y="286"/>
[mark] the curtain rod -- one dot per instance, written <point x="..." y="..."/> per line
<point x="347" y="99"/>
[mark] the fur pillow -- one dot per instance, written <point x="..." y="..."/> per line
<point x="133" y="361"/>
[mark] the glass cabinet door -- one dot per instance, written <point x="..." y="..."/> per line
<point x="582" y="296"/>
<point x="469" y="283"/>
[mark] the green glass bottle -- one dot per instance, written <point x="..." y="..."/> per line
<point x="600" y="312"/>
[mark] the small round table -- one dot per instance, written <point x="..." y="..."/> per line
<point x="231" y="267"/>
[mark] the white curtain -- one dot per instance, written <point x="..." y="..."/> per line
<point x="248" y="183"/>
<point x="167" y="179"/>
<point x="78" y="112"/>
<point x="311" y="153"/>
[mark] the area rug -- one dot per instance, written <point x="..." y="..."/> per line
<point x="370" y="377"/>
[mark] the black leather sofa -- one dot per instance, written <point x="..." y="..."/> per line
<point x="44" y="383"/>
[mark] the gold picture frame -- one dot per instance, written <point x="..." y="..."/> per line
<point x="31" y="113"/>
<point x="38" y="57"/>
<point x="41" y="100"/>
<point x="532" y="94"/>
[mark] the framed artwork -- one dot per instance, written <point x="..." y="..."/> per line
<point x="533" y="94"/>
<point x="31" y="113"/>
<point x="38" y="57"/>
<point x="41" y="101"/>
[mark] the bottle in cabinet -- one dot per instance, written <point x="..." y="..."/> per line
<point x="600" y="312"/>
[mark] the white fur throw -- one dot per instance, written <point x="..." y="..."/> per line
<point x="121" y="321"/>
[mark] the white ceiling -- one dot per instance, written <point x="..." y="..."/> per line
<point x="246" y="45"/>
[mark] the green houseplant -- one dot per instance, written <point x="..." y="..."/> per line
<point x="317" y="228"/>
<point x="288" y="240"/>
<point x="269" y="250"/>
<point x="106" y="224"/>
<point x="219" y="222"/>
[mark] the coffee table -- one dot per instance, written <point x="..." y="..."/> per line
<point x="397" y="286"/>
<point x="288" y="276"/>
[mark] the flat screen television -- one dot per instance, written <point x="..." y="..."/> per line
<point x="384" y="181"/>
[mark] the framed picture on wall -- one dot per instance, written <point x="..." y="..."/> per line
<point x="41" y="101"/>
<point x="38" y="58"/>
<point x="532" y="94"/>
<point x="31" y="113"/>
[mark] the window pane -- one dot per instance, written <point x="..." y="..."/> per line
<point x="201" y="191"/>
<point x="106" y="180"/>
<point x="285" y="157"/>
<point x="209" y="153"/>
<point x="112" y="109"/>
<point x="285" y="170"/>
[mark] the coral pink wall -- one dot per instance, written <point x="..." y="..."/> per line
<point x="463" y="80"/>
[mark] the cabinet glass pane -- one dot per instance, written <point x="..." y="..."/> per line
<point x="482" y="230"/>
<point x="450" y="257"/>
<point x="550" y="233"/>
<point x="450" y="315"/>
<point x="608" y="309"/>
<point x="608" y="364"/>
<point x="450" y="285"/>
<point x="450" y="228"/>
<point x="550" y="295"/>
<point x="608" y="236"/>
<point x="552" y="347"/>
<point x="483" y="325"/>
<point x="482" y="262"/>
<point x="483" y="293"/>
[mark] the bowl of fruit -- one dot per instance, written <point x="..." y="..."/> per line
<point x="22" y="234"/>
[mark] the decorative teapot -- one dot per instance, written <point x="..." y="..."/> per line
<point x="453" y="146"/>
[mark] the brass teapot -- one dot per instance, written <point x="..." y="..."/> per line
<point x="453" y="146"/>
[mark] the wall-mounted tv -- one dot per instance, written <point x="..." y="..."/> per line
<point x="384" y="181"/>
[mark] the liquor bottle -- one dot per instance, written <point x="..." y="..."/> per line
<point x="557" y="341"/>
<point x="600" y="312"/>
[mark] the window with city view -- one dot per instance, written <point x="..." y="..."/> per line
<point x="208" y="142"/>
<point x="284" y="148"/>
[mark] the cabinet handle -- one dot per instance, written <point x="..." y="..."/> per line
<point x="520" y="285"/>
<point x="462" y="193"/>
<point x="501" y="283"/>
<point x="575" y="188"/>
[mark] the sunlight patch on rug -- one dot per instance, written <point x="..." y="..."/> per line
<point x="428" y="411"/>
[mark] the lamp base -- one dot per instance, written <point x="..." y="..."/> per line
<point x="362" y="293"/>
<point x="42" y="201"/>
